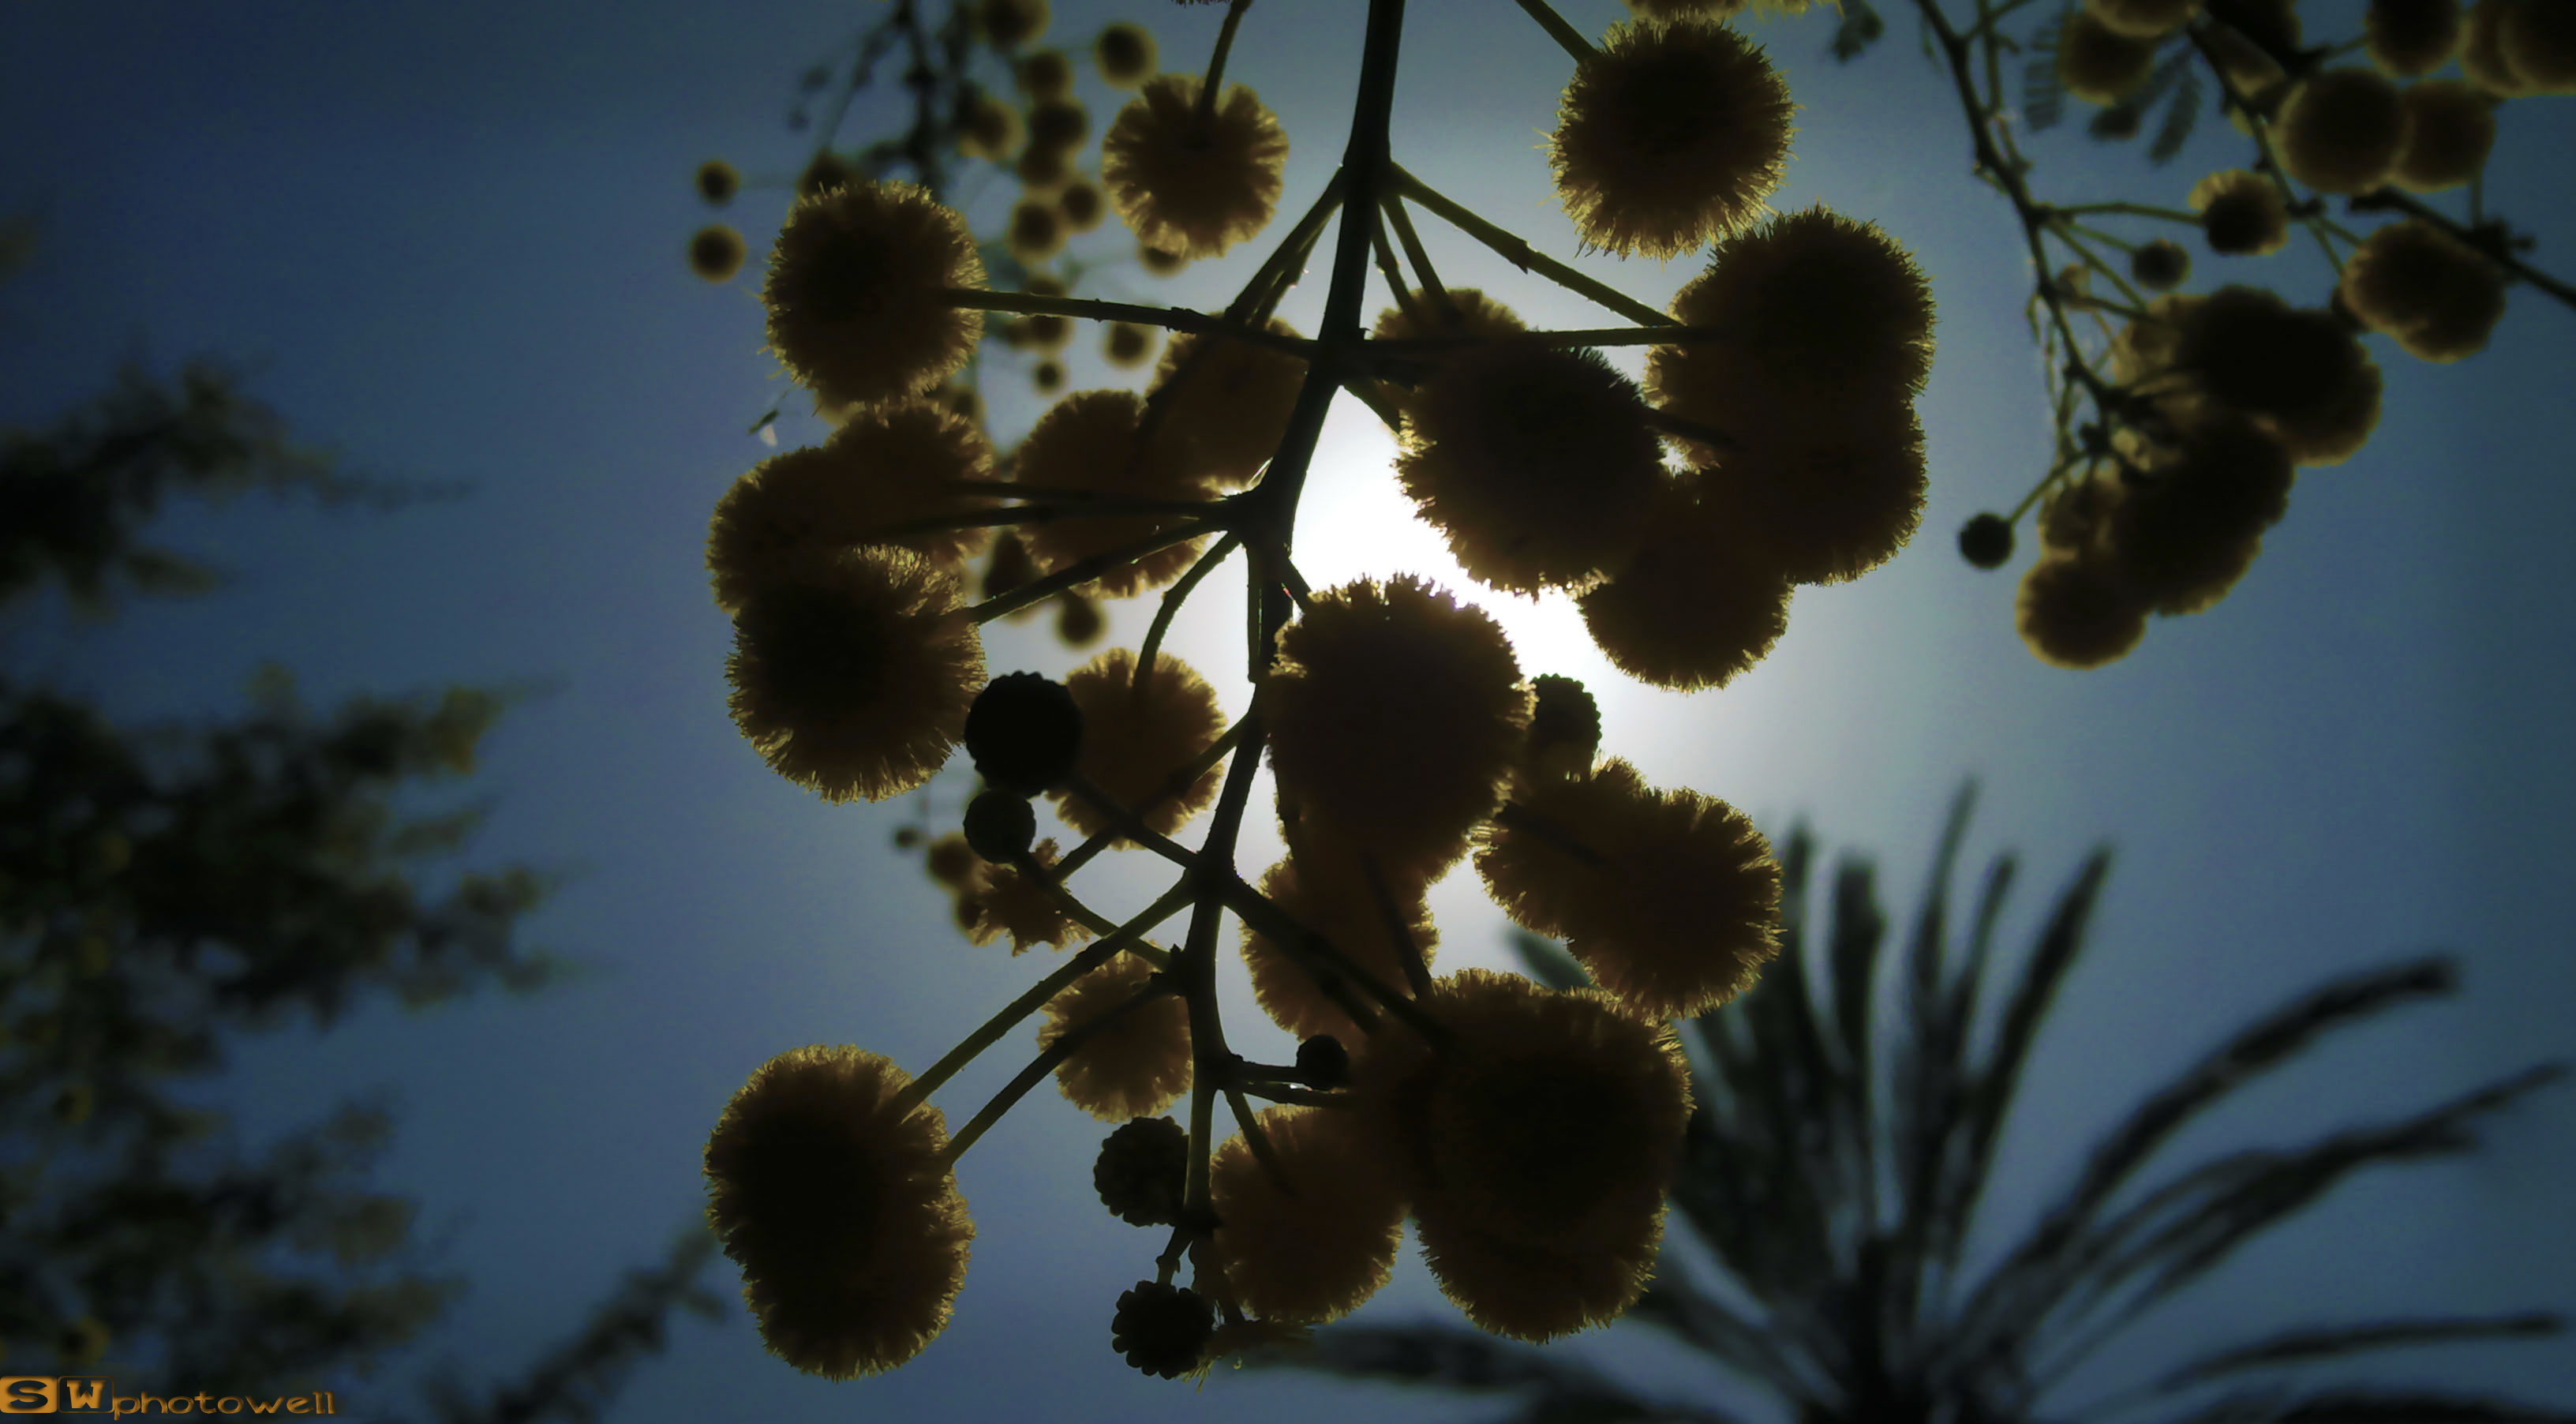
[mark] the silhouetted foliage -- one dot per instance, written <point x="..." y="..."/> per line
<point x="166" y="892"/>
<point x="1835" y="1165"/>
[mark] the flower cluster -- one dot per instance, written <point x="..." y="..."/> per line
<point x="1526" y="1131"/>
<point x="2182" y="415"/>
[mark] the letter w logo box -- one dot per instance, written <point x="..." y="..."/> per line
<point x="53" y="1394"/>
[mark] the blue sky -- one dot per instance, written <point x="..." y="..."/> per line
<point x="449" y="237"/>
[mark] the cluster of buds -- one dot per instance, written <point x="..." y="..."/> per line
<point x="1530" y="1133"/>
<point x="2203" y="406"/>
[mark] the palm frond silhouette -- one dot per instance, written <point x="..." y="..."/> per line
<point x="1837" y="1189"/>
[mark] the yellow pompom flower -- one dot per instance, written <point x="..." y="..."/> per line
<point x="1232" y="409"/>
<point x="2099" y="64"/>
<point x="998" y="899"/>
<point x="2424" y="287"/>
<point x="2074" y="613"/>
<point x="1318" y="1255"/>
<point x="887" y="466"/>
<point x="2537" y="40"/>
<point x="1125" y="53"/>
<point x="2482" y="57"/>
<point x="1044" y="74"/>
<point x="2341" y="131"/>
<point x="1468" y="312"/>
<point x="1322" y="894"/>
<point x="2188" y="527"/>
<point x="1191" y="189"/>
<point x="1534" y="462"/>
<point x="852" y="675"/>
<point x="1394" y="713"/>
<point x="1671" y="135"/>
<point x="990" y="128"/>
<point x="2142" y="19"/>
<point x="1008" y="24"/>
<point x="1135" y="1066"/>
<point x="1695" y="606"/>
<point x="1036" y="232"/>
<point x="2241" y="213"/>
<point x="850" y="1232"/>
<point x="1535" y="1147"/>
<point x="1670" y="899"/>
<point x="2300" y="374"/>
<point x="717" y="252"/>
<point x="2408" y="38"/>
<point x="1686" y="9"/>
<point x="1087" y="441"/>
<point x="2450" y="128"/>
<point x="855" y="294"/>
<point x="1822" y="501"/>
<point x="1127" y="344"/>
<point x="1137" y="738"/>
<point x="1814" y="297"/>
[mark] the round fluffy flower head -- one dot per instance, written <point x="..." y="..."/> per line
<point x="1695" y="607"/>
<point x="1686" y="9"/>
<point x="855" y="292"/>
<point x="1818" y="298"/>
<point x="2482" y="50"/>
<point x="1468" y="312"/>
<point x="2408" y="38"/>
<point x="1044" y="74"/>
<point x="1317" y="1255"/>
<point x="2074" y="612"/>
<point x="850" y="1232"/>
<point x="1671" y="135"/>
<point x="2241" y="213"/>
<point x="988" y="127"/>
<point x="1821" y="502"/>
<point x="2161" y="265"/>
<point x="1139" y="1062"/>
<point x="1088" y="441"/>
<point x="717" y="252"/>
<point x="2182" y="535"/>
<point x="1036" y="231"/>
<point x="2341" y="131"/>
<point x="1232" y="408"/>
<point x="1138" y="736"/>
<point x="2142" y="19"/>
<point x="1125" y="54"/>
<point x="2538" y="41"/>
<point x="1534" y="462"/>
<point x="2424" y="287"/>
<point x="1535" y="1146"/>
<point x="1671" y="899"/>
<point x="886" y="466"/>
<point x="2449" y="129"/>
<point x="1394" y="714"/>
<point x="2304" y="377"/>
<point x="1188" y="188"/>
<point x="1002" y="900"/>
<point x="1126" y="344"/>
<point x="1081" y="205"/>
<point x="1334" y="901"/>
<point x="2101" y="65"/>
<point x="1008" y="24"/>
<point x="852" y="676"/>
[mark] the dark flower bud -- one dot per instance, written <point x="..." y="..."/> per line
<point x="1024" y="732"/>
<point x="1161" y="1329"/>
<point x="1141" y="1171"/>
<point x="1323" y="1062"/>
<point x="1986" y="541"/>
<point x="1000" y="826"/>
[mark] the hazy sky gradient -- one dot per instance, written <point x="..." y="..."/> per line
<point x="449" y="238"/>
